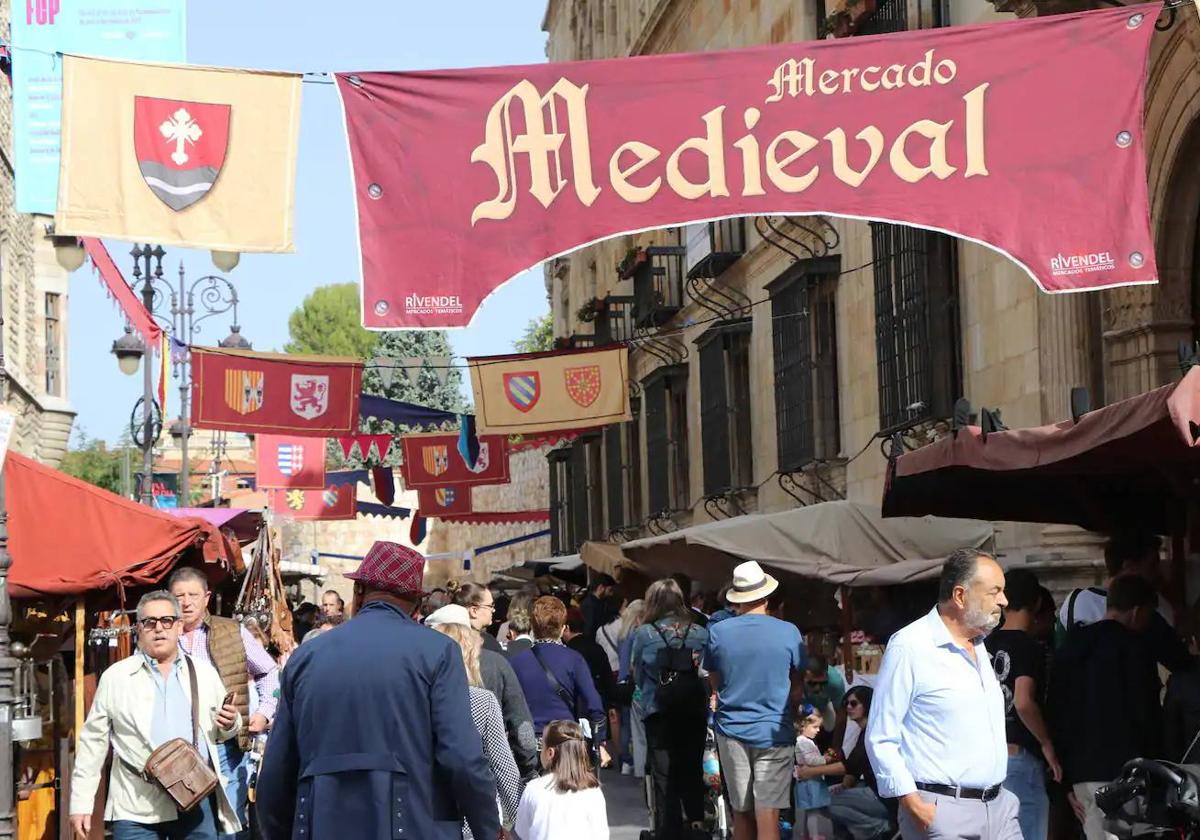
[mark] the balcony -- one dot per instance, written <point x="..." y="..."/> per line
<point x="714" y="246"/>
<point x="878" y="17"/>
<point x="614" y="325"/>
<point x="658" y="286"/>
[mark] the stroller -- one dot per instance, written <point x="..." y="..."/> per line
<point x="716" y="815"/>
<point x="1153" y="799"/>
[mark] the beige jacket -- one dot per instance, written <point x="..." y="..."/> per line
<point x="122" y="708"/>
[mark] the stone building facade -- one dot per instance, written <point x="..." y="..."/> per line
<point x="33" y="308"/>
<point x="829" y="358"/>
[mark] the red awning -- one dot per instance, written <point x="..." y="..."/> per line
<point x="67" y="537"/>
<point x="1129" y="464"/>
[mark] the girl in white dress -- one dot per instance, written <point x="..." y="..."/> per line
<point x="567" y="801"/>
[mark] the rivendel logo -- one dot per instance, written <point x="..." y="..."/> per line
<point x="432" y="304"/>
<point x="1070" y="264"/>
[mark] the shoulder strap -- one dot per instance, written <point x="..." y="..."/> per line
<point x="1071" y="609"/>
<point x="682" y="638"/>
<point x="555" y="685"/>
<point x="608" y="637"/>
<point x="195" y="702"/>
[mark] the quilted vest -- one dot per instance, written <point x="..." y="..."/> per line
<point x="228" y="656"/>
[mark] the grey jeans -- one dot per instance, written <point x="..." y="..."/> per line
<point x="966" y="819"/>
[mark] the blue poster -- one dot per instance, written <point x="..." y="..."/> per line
<point x="147" y="30"/>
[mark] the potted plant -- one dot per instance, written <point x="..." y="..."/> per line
<point x="590" y="310"/>
<point x="848" y="16"/>
<point x="629" y="263"/>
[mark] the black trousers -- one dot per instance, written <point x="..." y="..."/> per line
<point x="675" y="742"/>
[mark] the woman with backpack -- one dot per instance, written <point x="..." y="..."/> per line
<point x="674" y="698"/>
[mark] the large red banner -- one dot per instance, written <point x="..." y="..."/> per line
<point x="242" y="391"/>
<point x="1025" y="136"/>
<point x="433" y="460"/>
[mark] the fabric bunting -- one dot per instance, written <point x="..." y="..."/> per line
<point x="383" y="484"/>
<point x="499" y="516"/>
<point x="164" y="359"/>
<point x="418" y="531"/>
<point x="468" y="440"/>
<point x="523" y="443"/>
<point x="372" y="509"/>
<point x="120" y="291"/>
<point x="381" y="443"/>
<point x="289" y="462"/>
<point x="402" y="413"/>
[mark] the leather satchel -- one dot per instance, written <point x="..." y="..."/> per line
<point x="177" y="765"/>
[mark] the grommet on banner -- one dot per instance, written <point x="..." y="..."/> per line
<point x="381" y="307"/>
<point x="1124" y="139"/>
<point x="374" y="190"/>
<point x="1136" y="259"/>
<point x="1136" y="20"/>
<point x="354" y="80"/>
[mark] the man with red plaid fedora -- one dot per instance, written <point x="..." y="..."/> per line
<point x="374" y="736"/>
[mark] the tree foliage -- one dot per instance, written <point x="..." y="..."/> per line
<point x="329" y="323"/>
<point x="90" y="460"/>
<point x="538" y="337"/>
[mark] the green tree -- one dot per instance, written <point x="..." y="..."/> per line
<point x="90" y="460"/>
<point x="538" y="337"/>
<point x="329" y="323"/>
<point x="421" y="384"/>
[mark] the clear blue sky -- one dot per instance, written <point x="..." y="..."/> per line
<point x="307" y="35"/>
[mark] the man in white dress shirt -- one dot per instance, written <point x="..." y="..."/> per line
<point x="936" y="734"/>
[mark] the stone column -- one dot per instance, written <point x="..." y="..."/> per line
<point x="1070" y="354"/>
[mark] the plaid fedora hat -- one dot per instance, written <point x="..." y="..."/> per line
<point x="393" y="568"/>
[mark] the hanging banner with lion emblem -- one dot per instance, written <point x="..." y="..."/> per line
<point x="275" y="393"/>
<point x="545" y="392"/>
<point x="433" y="461"/>
<point x="337" y="501"/>
<point x="194" y="156"/>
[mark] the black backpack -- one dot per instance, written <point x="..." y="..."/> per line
<point x="678" y="678"/>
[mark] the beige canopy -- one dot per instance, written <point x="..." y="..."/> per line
<point x="839" y="542"/>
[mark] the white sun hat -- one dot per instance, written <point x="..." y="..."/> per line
<point x="750" y="584"/>
<point x="449" y="614"/>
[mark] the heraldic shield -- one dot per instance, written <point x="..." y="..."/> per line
<point x="180" y="147"/>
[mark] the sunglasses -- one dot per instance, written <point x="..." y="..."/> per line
<point x="165" y="621"/>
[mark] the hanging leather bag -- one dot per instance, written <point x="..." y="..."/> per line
<point x="177" y="766"/>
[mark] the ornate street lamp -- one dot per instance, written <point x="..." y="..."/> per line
<point x="129" y="351"/>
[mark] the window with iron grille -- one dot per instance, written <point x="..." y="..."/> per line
<point x="53" y="345"/>
<point x="804" y="335"/>
<point x="561" y="531"/>
<point x="916" y="324"/>
<point x="666" y="439"/>
<point x="622" y="473"/>
<point x="725" y="431"/>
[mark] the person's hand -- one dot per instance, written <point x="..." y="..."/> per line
<point x="227" y="717"/>
<point x="922" y="812"/>
<point x="258" y="724"/>
<point x="605" y="758"/>
<point x="81" y="824"/>
<point x="1052" y="761"/>
<point x="1076" y="806"/>
<point x="806" y="772"/>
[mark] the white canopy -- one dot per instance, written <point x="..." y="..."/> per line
<point x="840" y="542"/>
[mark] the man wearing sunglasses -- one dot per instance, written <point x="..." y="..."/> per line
<point x="142" y="702"/>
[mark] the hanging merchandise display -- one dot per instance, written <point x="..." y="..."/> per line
<point x="1023" y="136"/>
<point x="193" y="156"/>
<point x="244" y="391"/>
<point x="289" y="462"/>
<point x="543" y="392"/>
<point x="262" y="597"/>
<point x="334" y="502"/>
<point x="434" y="460"/>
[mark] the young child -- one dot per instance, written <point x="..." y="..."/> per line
<point x="810" y="796"/>
<point x="567" y="801"/>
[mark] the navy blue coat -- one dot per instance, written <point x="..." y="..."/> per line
<point x="374" y="738"/>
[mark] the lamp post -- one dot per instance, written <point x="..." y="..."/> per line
<point x="190" y="303"/>
<point x="151" y="259"/>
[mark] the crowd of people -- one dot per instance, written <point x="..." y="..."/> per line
<point x="477" y="714"/>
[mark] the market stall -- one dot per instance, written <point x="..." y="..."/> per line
<point x="79" y="557"/>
